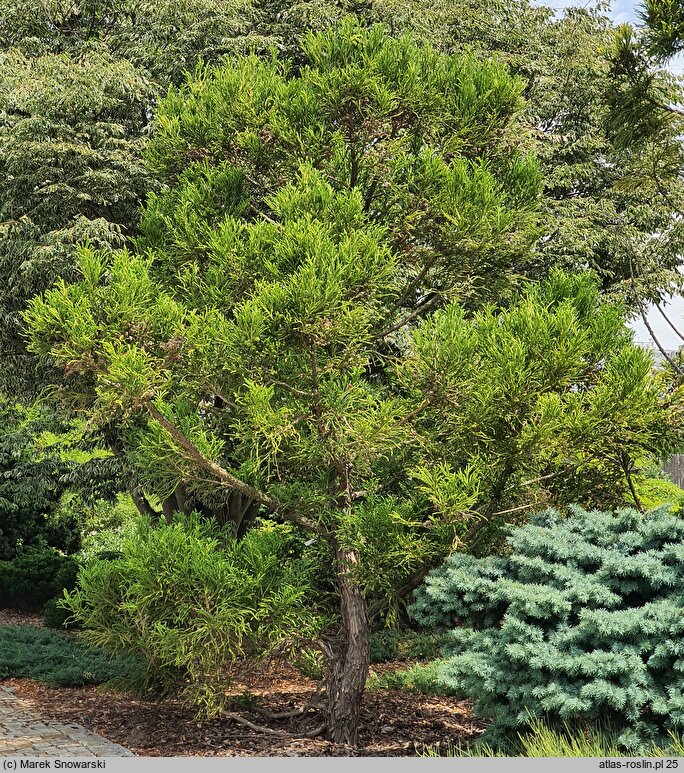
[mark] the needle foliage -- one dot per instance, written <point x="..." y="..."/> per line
<point x="580" y="623"/>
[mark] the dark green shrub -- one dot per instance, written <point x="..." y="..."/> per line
<point x="31" y="484"/>
<point x="391" y="645"/>
<point x="190" y="600"/>
<point x="35" y="576"/>
<point x="583" y="621"/>
<point x="55" y="615"/>
<point x="55" y="658"/>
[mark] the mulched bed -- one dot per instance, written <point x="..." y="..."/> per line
<point x="394" y="723"/>
<point x="12" y="617"/>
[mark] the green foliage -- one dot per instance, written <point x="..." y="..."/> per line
<point x="56" y="616"/>
<point x="189" y="600"/>
<point x="30" y="486"/>
<point x="322" y="313"/>
<point x="296" y="276"/>
<point x="54" y="658"/>
<point x="391" y="645"/>
<point x="420" y="678"/>
<point x="277" y="298"/>
<point x="581" y="622"/>
<point x="95" y="70"/>
<point x="544" y="741"/>
<point x="71" y="171"/>
<point x="645" y="124"/>
<point x="531" y="403"/>
<point x="161" y="39"/>
<point x="655" y="492"/>
<point x="599" y="203"/>
<point x="404" y="129"/>
<point x="665" y="21"/>
<point x="34" y="576"/>
<point x="105" y="526"/>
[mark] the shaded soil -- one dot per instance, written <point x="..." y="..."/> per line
<point x="393" y="722"/>
<point x="12" y="617"/>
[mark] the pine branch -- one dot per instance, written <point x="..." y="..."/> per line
<point x="409" y="317"/>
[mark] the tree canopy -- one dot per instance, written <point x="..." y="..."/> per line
<point x="101" y="67"/>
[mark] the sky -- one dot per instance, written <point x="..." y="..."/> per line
<point x="625" y="11"/>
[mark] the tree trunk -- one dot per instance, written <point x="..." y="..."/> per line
<point x="169" y="506"/>
<point x="347" y="657"/>
<point x="143" y="505"/>
<point x="182" y="499"/>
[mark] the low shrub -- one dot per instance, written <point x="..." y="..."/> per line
<point x="190" y="599"/>
<point x="106" y="526"/>
<point x="654" y="492"/>
<point x="55" y="616"/>
<point x="390" y="645"/>
<point x="581" y="622"/>
<point x="35" y="576"/>
<point x="55" y="658"/>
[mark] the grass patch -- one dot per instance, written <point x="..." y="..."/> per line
<point x="420" y="678"/>
<point x="543" y="741"/>
<point x="55" y="658"/>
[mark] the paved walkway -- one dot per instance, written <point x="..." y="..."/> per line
<point x="23" y="733"/>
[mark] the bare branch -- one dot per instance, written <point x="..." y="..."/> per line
<point x="259" y="728"/>
<point x="409" y="317"/>
<point x="669" y="321"/>
<point x="644" y="316"/>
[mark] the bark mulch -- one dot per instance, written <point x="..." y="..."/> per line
<point x="12" y="617"/>
<point x="393" y="723"/>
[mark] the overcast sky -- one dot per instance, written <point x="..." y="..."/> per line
<point x="625" y="11"/>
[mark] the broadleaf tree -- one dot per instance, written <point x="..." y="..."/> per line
<point x="645" y="124"/>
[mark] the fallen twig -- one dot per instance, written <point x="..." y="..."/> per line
<point x="252" y="726"/>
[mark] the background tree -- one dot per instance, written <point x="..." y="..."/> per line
<point x="30" y="485"/>
<point x="258" y="340"/>
<point x="592" y="214"/>
<point x="70" y="145"/>
<point x="645" y="123"/>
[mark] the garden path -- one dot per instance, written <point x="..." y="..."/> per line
<point x="24" y="733"/>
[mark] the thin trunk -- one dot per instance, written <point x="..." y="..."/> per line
<point x="669" y="321"/>
<point x="494" y="499"/>
<point x="248" y="517"/>
<point x="182" y="499"/>
<point x="626" y="468"/>
<point x="347" y="657"/>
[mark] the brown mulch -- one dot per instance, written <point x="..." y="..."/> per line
<point x="12" y="617"/>
<point x="393" y="723"/>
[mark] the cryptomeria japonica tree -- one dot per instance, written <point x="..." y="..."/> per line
<point x="256" y="346"/>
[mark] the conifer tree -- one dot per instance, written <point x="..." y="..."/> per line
<point x="581" y="622"/>
<point x="272" y="339"/>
